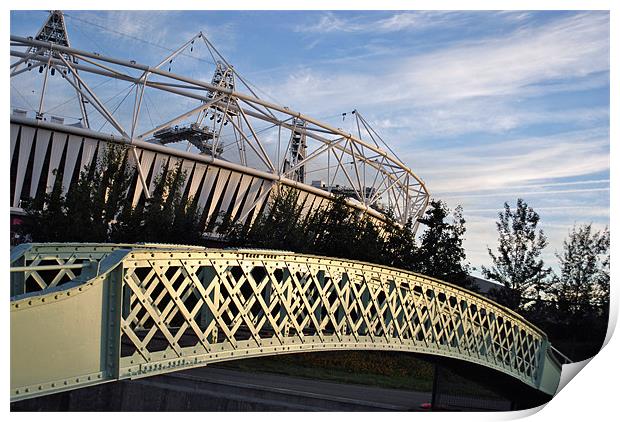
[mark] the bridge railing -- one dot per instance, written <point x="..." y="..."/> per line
<point x="150" y="310"/>
<point x="39" y="266"/>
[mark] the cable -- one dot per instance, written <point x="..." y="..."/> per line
<point x="103" y="50"/>
<point x="136" y="38"/>
<point x="119" y="93"/>
<point x="116" y="108"/>
<point x="148" y="113"/>
<point x="244" y="79"/>
<point x="73" y="99"/>
<point x="153" y="104"/>
<point x="23" y="97"/>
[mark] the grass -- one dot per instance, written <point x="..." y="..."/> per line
<point x="389" y="370"/>
<point x="380" y="369"/>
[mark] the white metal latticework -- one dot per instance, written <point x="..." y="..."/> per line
<point x="155" y="309"/>
<point x="227" y="125"/>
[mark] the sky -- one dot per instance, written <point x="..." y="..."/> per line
<point x="485" y="106"/>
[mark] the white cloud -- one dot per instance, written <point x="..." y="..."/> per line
<point x="530" y="186"/>
<point x="529" y="61"/>
<point x="482" y="233"/>
<point x="328" y="22"/>
<point x="512" y="162"/>
<point x="527" y="193"/>
<point x="491" y="116"/>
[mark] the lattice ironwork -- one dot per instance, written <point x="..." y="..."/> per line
<point x="169" y="309"/>
<point x="47" y="265"/>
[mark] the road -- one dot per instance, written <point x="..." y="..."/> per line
<point x="315" y="394"/>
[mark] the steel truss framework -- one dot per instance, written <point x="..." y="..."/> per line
<point x="361" y="161"/>
<point x="107" y="312"/>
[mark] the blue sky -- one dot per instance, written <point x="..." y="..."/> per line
<point x="486" y="107"/>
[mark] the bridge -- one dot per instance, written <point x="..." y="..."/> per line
<point x="86" y="314"/>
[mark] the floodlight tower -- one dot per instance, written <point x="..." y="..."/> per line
<point x="297" y="150"/>
<point x="54" y="31"/>
<point x="202" y="136"/>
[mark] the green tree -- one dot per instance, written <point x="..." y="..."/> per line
<point x="168" y="216"/>
<point x="583" y="283"/>
<point x="399" y="248"/>
<point x="441" y="253"/>
<point x="88" y="211"/>
<point x="99" y="196"/>
<point x="517" y="265"/>
<point x="278" y="227"/>
<point x="46" y="218"/>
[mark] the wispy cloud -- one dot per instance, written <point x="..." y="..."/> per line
<point x="542" y="185"/>
<point x="125" y="26"/>
<point x="329" y="22"/>
<point x="575" y="211"/>
<point x="488" y="115"/>
<point x="482" y="234"/>
<point x="529" y="61"/>
<point x="526" y="193"/>
<point x="513" y="162"/>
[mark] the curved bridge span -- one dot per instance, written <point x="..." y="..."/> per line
<point x="84" y="314"/>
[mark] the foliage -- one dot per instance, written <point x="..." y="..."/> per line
<point x="338" y="231"/>
<point x="584" y="272"/>
<point x="46" y="218"/>
<point x="517" y="265"/>
<point x="581" y="290"/>
<point x="98" y="208"/>
<point x="441" y="253"/>
<point x="90" y="207"/>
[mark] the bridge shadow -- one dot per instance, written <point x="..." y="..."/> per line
<point x="454" y="386"/>
<point x="460" y="385"/>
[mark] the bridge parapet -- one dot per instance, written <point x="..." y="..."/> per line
<point x="151" y="309"/>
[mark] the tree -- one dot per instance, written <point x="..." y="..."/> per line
<point x="169" y="216"/>
<point x="88" y="211"/>
<point x="583" y="283"/>
<point x="400" y="250"/>
<point x="339" y="232"/>
<point x="278" y="227"/>
<point x="441" y="253"/>
<point x="517" y="265"/>
<point x="46" y="219"/>
<point x="99" y="196"/>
